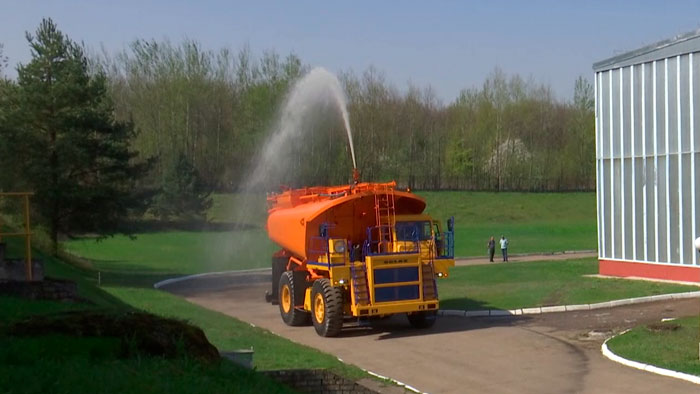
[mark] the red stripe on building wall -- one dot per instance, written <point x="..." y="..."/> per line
<point x="644" y="270"/>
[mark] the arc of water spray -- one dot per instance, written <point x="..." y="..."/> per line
<point x="316" y="87"/>
<point x="315" y="90"/>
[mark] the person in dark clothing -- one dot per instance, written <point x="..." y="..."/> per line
<point x="491" y="248"/>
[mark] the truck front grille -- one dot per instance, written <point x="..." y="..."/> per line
<point x="395" y="275"/>
<point x="396" y="293"/>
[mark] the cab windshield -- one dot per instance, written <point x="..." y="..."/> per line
<point x="411" y="231"/>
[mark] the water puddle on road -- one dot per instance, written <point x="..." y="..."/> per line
<point x="596" y="335"/>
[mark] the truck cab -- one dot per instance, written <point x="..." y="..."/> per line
<point x="436" y="246"/>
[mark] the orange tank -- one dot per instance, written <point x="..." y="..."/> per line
<point x="296" y="216"/>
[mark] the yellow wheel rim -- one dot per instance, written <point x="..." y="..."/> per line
<point x="286" y="299"/>
<point x="319" y="308"/>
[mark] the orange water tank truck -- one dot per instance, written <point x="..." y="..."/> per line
<point x="354" y="252"/>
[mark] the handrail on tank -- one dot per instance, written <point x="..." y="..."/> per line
<point x="449" y="240"/>
<point x="449" y="245"/>
<point x="292" y="197"/>
<point x="318" y="245"/>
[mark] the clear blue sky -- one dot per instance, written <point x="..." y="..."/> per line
<point x="448" y="44"/>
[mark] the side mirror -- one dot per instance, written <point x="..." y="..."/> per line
<point x="451" y="224"/>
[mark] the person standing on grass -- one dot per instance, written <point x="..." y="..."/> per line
<point x="491" y="248"/>
<point x="504" y="247"/>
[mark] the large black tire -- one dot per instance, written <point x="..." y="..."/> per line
<point x="423" y="319"/>
<point x="291" y="294"/>
<point x="279" y="265"/>
<point x="326" y="308"/>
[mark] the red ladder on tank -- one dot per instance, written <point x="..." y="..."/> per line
<point x="385" y="211"/>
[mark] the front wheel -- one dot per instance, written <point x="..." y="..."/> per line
<point x="423" y="319"/>
<point x="326" y="308"/>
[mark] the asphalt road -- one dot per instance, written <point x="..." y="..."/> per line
<point x="549" y="353"/>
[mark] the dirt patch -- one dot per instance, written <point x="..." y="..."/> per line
<point x="140" y="333"/>
<point x="662" y="327"/>
<point x="619" y="318"/>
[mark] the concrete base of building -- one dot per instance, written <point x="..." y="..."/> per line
<point x="649" y="270"/>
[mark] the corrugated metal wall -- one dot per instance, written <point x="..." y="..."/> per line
<point x="648" y="136"/>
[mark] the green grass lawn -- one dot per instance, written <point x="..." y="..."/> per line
<point x="65" y="364"/>
<point x="78" y="365"/>
<point x="177" y="252"/>
<point x="134" y="290"/>
<point x="662" y="345"/>
<point x="516" y="285"/>
<point x="532" y="222"/>
<point x="543" y="222"/>
<point x="68" y="364"/>
<point x="173" y="253"/>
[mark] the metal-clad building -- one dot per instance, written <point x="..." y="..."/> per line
<point x="647" y="160"/>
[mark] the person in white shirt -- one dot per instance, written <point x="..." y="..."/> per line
<point x="504" y="247"/>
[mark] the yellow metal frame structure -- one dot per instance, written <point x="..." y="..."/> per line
<point x="27" y="234"/>
<point x="390" y="307"/>
<point x="338" y="271"/>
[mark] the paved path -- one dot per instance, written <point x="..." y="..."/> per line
<point x="551" y="353"/>
<point x="497" y="259"/>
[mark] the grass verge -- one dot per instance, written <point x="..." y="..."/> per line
<point x="672" y="345"/>
<point x="68" y="364"/>
<point x="543" y="283"/>
<point x="96" y="359"/>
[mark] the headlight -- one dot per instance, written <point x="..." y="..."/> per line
<point x="339" y="246"/>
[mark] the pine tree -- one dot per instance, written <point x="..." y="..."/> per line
<point x="75" y="156"/>
<point x="183" y="193"/>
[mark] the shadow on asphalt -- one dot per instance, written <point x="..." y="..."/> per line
<point x="397" y="326"/>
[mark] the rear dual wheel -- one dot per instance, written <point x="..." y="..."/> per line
<point x="292" y="286"/>
<point x="326" y="308"/>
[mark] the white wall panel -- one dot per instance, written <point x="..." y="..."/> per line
<point x="647" y="160"/>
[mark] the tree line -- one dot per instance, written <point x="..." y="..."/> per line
<point x="158" y="126"/>
<point x="218" y="109"/>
